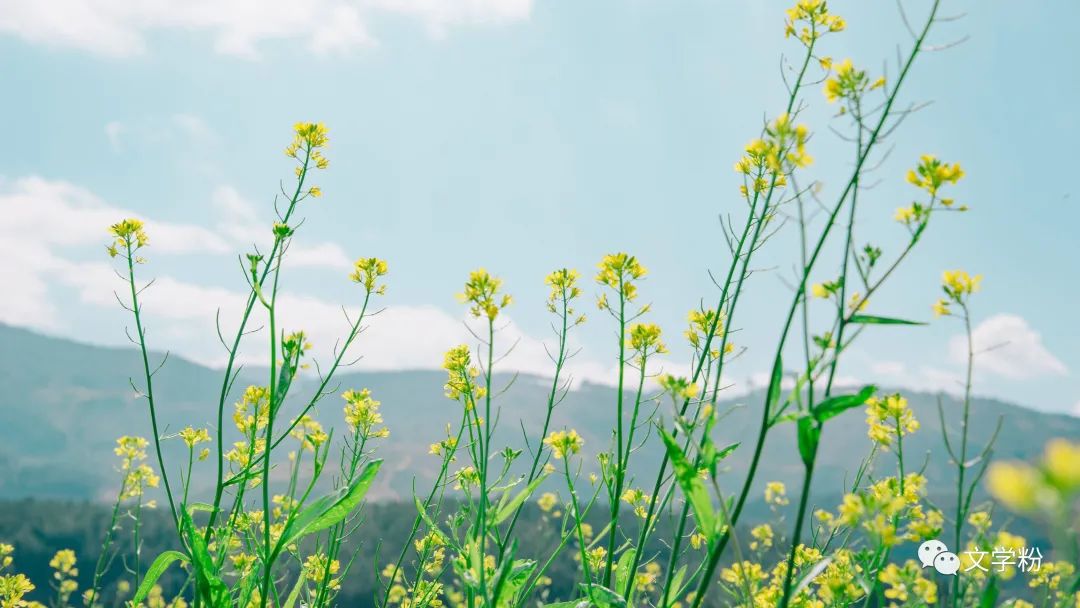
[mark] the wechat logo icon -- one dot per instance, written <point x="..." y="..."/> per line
<point x="934" y="553"/>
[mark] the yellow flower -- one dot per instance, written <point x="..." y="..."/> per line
<point x="547" y="501"/>
<point x="677" y="386"/>
<point x="941" y="308"/>
<point x="776" y="493"/>
<point x="482" y="295"/>
<point x="645" y="339"/>
<point x="311" y="134"/>
<point x="808" y="20"/>
<point x="930" y="174"/>
<point x="193" y="437"/>
<point x="64" y="563"/>
<point x="889" y="418"/>
<point x="362" y="413"/>
<point x="596" y="557"/>
<point x="763" y="537"/>
<point x="1062" y="464"/>
<point x="367" y="271"/>
<point x="128" y="236"/>
<point x="563" y="443"/>
<point x="703" y="324"/>
<point x="958" y="284"/>
<point x="1016" y="485"/>
<point x="563" y="284"/>
<point x="849" y="83"/>
<point x="620" y="272"/>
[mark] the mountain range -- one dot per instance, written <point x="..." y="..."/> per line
<point x="63" y="404"/>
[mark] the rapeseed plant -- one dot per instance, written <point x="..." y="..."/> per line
<point x="265" y="539"/>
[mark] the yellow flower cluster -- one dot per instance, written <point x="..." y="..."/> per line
<point x="645" y="582"/>
<point x="889" y="418"/>
<point x="958" y="286"/>
<point x="137" y="474"/>
<point x="763" y="537"/>
<point x="766" y="162"/>
<point x="13" y="587"/>
<point x="367" y="271"/>
<point x="564" y="289"/>
<point x="931" y="174"/>
<point x="776" y="493"/>
<point x="638" y="499"/>
<point x="564" y="443"/>
<point x="547" y="501"/>
<point x="620" y="272"/>
<point x="319" y="566"/>
<point x="65" y="573"/>
<point x="644" y="339"/>
<point x="847" y="83"/>
<point x="458" y="365"/>
<point x="362" y="414"/>
<point x="192" y="436"/>
<point x="129" y="236"/>
<point x="703" y="324"/>
<point x="310" y="433"/>
<point x="482" y="295"/>
<point x="677" y="386"/>
<point x="810" y="19"/>
<point x="1025" y="488"/>
<point x="252" y="411"/>
<point x="880" y="507"/>
<point x="906" y="583"/>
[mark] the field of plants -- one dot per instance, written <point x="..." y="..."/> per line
<point x="516" y="518"/>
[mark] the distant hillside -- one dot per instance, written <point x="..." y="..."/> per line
<point x="62" y="404"/>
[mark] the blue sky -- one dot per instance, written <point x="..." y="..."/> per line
<point x="524" y="136"/>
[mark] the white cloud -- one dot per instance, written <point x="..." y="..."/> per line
<point x="120" y="27"/>
<point x="57" y="213"/>
<point x="239" y="220"/>
<point x="1006" y="345"/>
<point x="1076" y="409"/>
<point x="50" y="225"/>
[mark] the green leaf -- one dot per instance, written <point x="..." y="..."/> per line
<point x="872" y="320"/>
<point x="622" y="572"/>
<point x="677" y="581"/>
<point x="295" y="594"/>
<point x="774" y="386"/>
<point x="513" y="580"/>
<point x="207" y="582"/>
<point x="154" y="572"/>
<point x="606" y="598"/>
<point x="809" y="436"/>
<point x="834" y="406"/>
<point x="728" y="451"/>
<point x="333" y="508"/>
<point x="989" y="595"/>
<point x="693" y="487"/>
<point x="508" y="509"/>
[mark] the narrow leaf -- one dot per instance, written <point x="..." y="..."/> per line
<point x="508" y="509"/>
<point x="872" y="320"/>
<point x="333" y="508"/>
<point x="154" y="572"/>
<point x="809" y="436"/>
<point x="834" y="406"/>
<point x="692" y="485"/>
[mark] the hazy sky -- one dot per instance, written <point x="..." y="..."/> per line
<point x="524" y="136"/>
